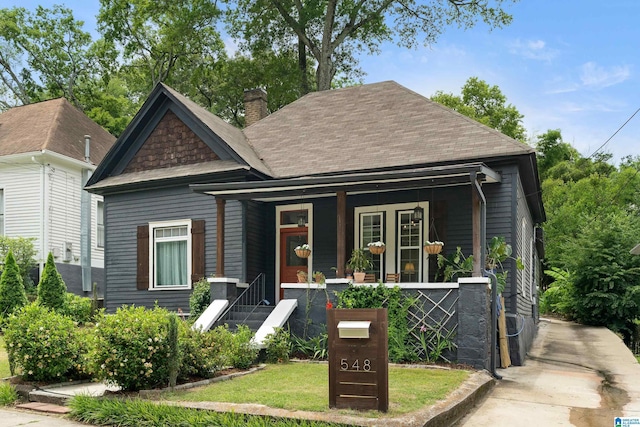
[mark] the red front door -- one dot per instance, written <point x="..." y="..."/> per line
<point x="290" y="263"/>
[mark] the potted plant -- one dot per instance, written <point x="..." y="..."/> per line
<point x="303" y="251"/>
<point x="433" y="248"/>
<point x="359" y="262"/>
<point x="318" y="276"/>
<point x="302" y="276"/>
<point x="376" y="248"/>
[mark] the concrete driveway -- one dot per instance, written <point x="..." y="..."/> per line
<point x="574" y="376"/>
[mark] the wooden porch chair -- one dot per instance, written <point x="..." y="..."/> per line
<point x="393" y="278"/>
<point x="370" y="278"/>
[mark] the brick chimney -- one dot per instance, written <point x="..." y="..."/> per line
<point x="255" y="106"/>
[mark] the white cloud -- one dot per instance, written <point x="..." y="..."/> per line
<point x="532" y="49"/>
<point x="598" y="77"/>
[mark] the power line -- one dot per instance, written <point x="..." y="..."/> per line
<point x="614" y="134"/>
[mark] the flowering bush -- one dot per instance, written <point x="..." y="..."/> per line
<point x="378" y="243"/>
<point x="42" y="343"/>
<point x="203" y="353"/>
<point x="77" y="308"/>
<point x="131" y="349"/>
<point x="242" y="351"/>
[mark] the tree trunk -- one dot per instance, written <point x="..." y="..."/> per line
<point x="302" y="66"/>
<point x="325" y="72"/>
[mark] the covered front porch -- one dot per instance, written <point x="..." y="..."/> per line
<point x="335" y="214"/>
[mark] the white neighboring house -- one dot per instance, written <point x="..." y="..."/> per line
<point x="44" y="164"/>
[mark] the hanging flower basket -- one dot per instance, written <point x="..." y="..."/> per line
<point x="303" y="251"/>
<point x="433" y="248"/>
<point x="376" y="248"/>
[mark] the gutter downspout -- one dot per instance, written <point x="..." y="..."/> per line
<point x="43" y="244"/>
<point x="491" y="275"/>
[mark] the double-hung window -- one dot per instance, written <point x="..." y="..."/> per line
<point x="100" y="224"/>
<point x="170" y="248"/>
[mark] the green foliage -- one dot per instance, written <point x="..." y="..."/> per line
<point x="78" y="308"/>
<point x="174" y="353"/>
<point x="24" y="253"/>
<point x="455" y="265"/>
<point x="131" y="348"/>
<point x="487" y="105"/>
<point x="242" y="351"/>
<point x="397" y="305"/>
<point x="42" y="343"/>
<point x="558" y="298"/>
<point x="200" y="298"/>
<point x="434" y="342"/>
<point x="203" y="353"/>
<point x="52" y="290"/>
<point x="12" y="293"/>
<point x="8" y="394"/>
<point x="137" y="412"/>
<point x="278" y="346"/>
<point x="315" y="348"/>
<point x="359" y="260"/>
<point x="606" y="277"/>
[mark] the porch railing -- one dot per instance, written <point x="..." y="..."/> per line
<point x="247" y="302"/>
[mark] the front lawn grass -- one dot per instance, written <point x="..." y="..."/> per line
<point x="304" y="387"/>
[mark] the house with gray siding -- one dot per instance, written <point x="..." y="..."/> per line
<point x="189" y="196"/>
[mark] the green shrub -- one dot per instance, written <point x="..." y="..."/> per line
<point x="397" y="305"/>
<point x="131" y="348"/>
<point x="314" y="347"/>
<point x="137" y="412"/>
<point x="41" y="342"/>
<point x="77" y="308"/>
<point x="200" y="298"/>
<point x="242" y="351"/>
<point x="8" y="394"/>
<point x="203" y="353"/>
<point x="12" y="293"/>
<point x="278" y="346"/>
<point x="24" y="253"/>
<point x="51" y="289"/>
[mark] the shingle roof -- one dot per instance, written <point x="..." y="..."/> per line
<point x="53" y="125"/>
<point x="229" y="133"/>
<point x="379" y="125"/>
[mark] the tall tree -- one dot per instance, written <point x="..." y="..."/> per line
<point x="44" y="54"/>
<point x="330" y="30"/>
<point x="486" y="104"/>
<point x="552" y="151"/>
<point x="158" y="36"/>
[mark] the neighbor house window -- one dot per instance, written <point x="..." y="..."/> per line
<point x="171" y="254"/>
<point x="100" y="224"/>
<point x="1" y="212"/>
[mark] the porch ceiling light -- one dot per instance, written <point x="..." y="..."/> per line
<point x="418" y="213"/>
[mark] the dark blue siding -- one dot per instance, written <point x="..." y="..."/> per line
<point x="124" y="212"/>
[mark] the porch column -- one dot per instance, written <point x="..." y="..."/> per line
<point x="476" y="219"/>
<point x="341" y="222"/>
<point x="220" y="204"/>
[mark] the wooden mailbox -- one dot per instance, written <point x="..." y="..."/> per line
<point x="358" y="359"/>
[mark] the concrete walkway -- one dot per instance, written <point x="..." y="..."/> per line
<point x="14" y="418"/>
<point x="574" y="376"/>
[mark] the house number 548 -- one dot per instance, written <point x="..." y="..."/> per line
<point x="345" y="365"/>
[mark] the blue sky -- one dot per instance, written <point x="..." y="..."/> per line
<point x="565" y="64"/>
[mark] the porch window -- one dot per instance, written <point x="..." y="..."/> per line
<point x="371" y="227"/>
<point x="409" y="247"/>
<point x="171" y="254"/>
<point x="100" y="224"/>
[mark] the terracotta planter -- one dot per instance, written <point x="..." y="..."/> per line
<point x="303" y="253"/>
<point x="377" y="250"/>
<point x="358" y="276"/>
<point x="433" y="249"/>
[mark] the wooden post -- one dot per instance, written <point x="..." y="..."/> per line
<point x="476" y="219"/>
<point x="341" y="217"/>
<point x="220" y="205"/>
